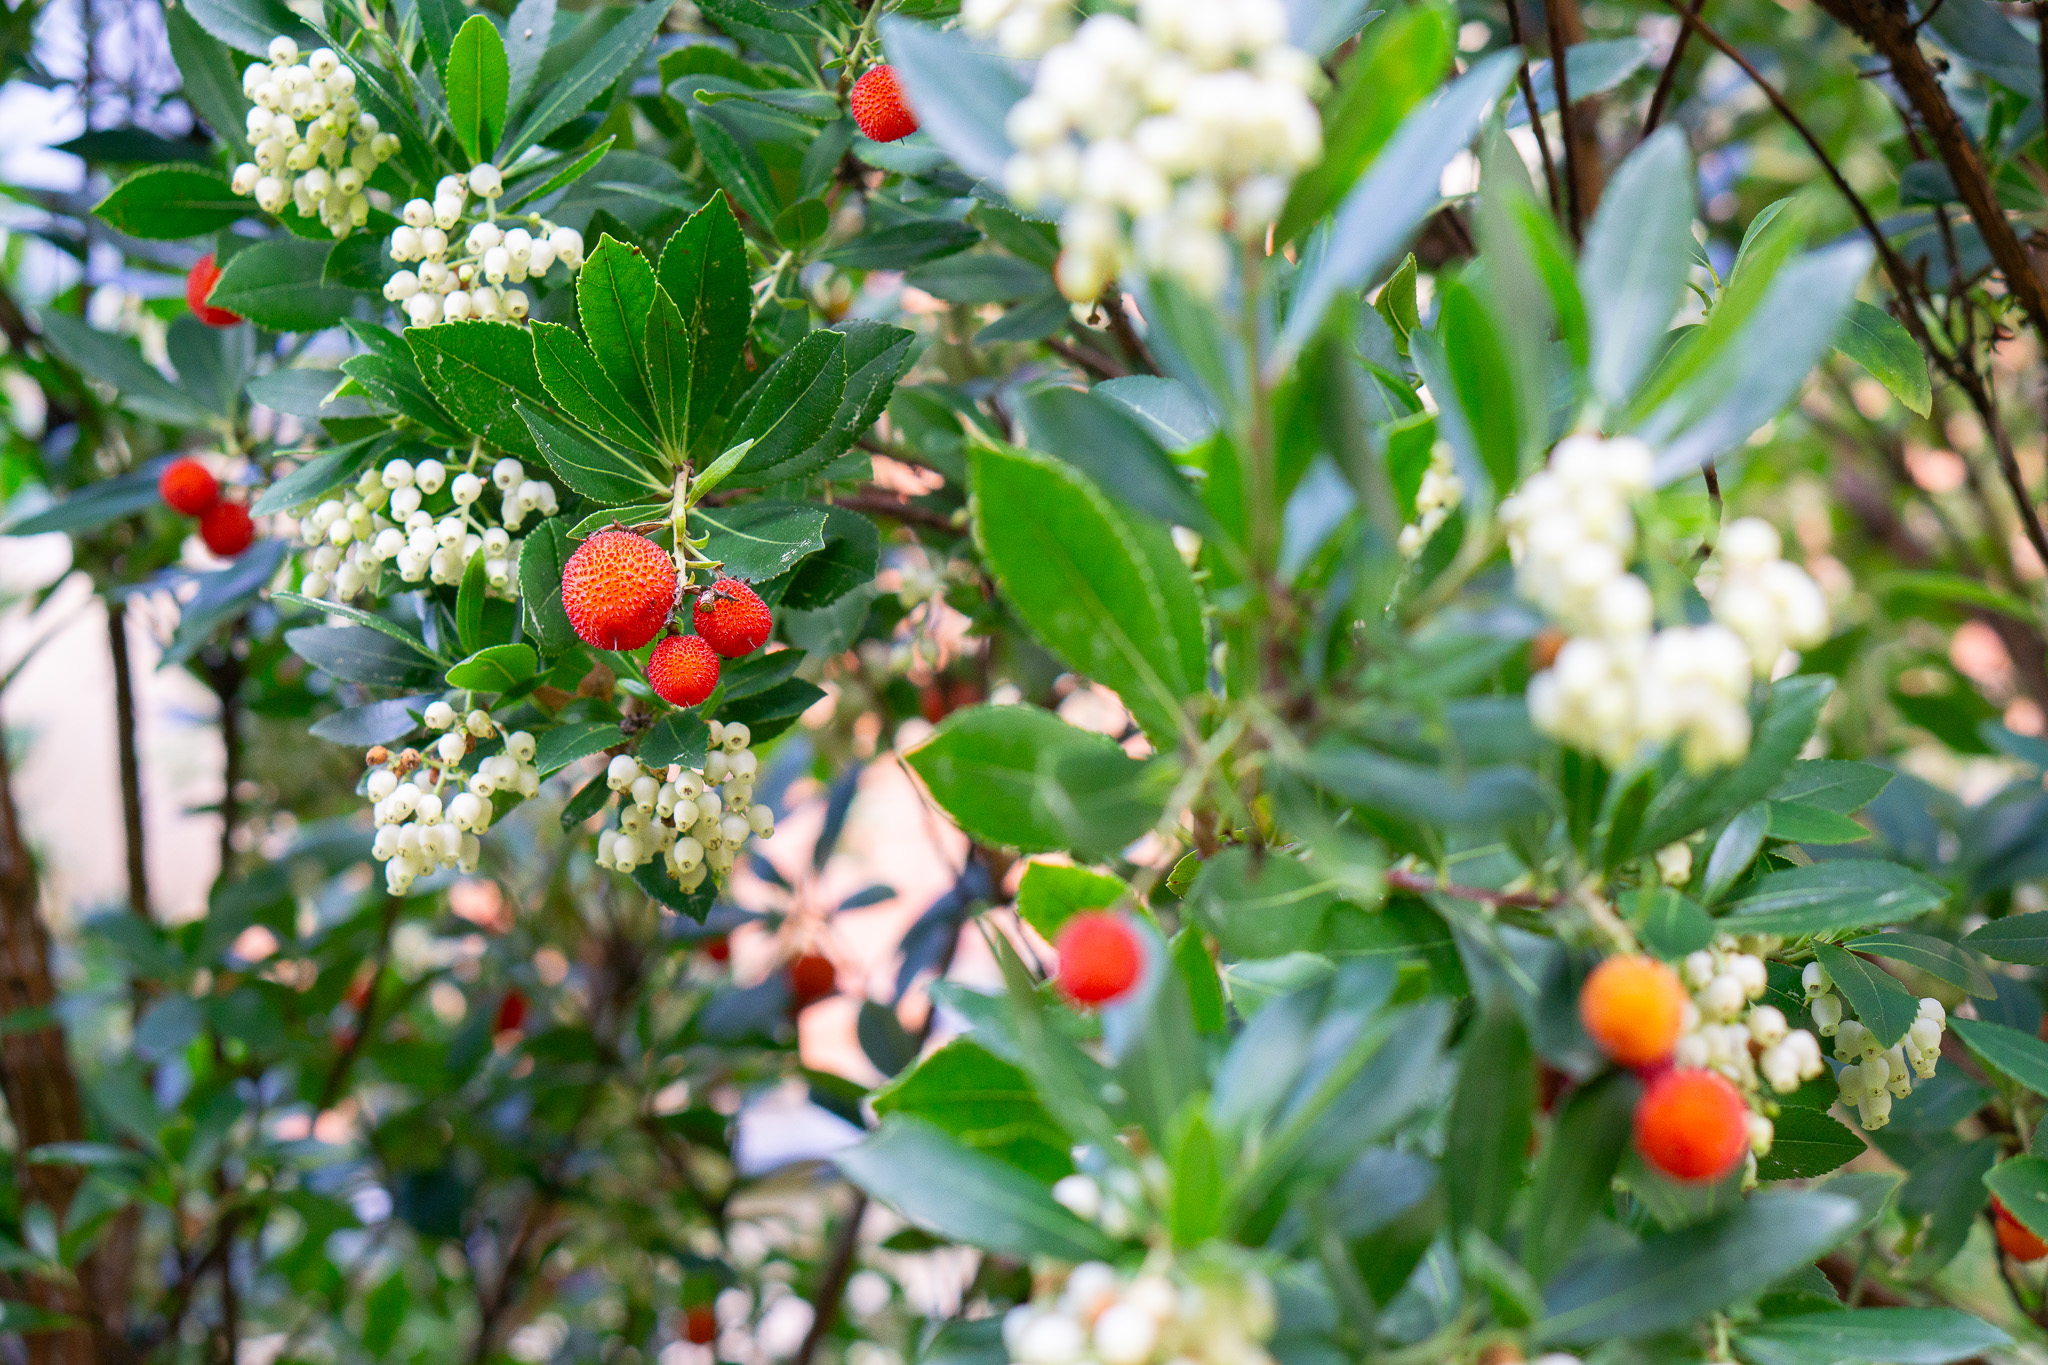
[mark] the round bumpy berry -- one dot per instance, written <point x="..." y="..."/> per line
<point x="199" y="282"/>
<point x="878" y="106"/>
<point x="682" y="670"/>
<point x="1100" y="958"/>
<point x="227" y="529"/>
<point x="1692" y="1125"/>
<point x="1634" y="1009"/>
<point x="619" y="589"/>
<point x="732" y="618"/>
<point x="2013" y="1236"/>
<point x="812" y="977"/>
<point x="188" y="488"/>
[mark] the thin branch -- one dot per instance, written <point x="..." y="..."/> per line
<point x="1421" y="884"/>
<point x="1086" y="358"/>
<point x="1560" y="85"/>
<point x="1127" y="336"/>
<point x="1522" y="78"/>
<point x="131" y="767"/>
<point x="1668" y="78"/>
<point x="825" y="1303"/>
<point x="895" y="508"/>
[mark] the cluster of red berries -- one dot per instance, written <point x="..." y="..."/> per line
<point x="187" y="487"/>
<point x="1692" y="1124"/>
<point x="619" y="590"/>
<point x="199" y="282"/>
<point x="878" y="107"/>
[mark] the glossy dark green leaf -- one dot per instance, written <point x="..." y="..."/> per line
<point x="563" y="744"/>
<point x="2020" y="1056"/>
<point x="477" y="81"/>
<point x="2021" y="1184"/>
<point x="1884" y="1006"/>
<point x="1095" y="436"/>
<point x="2015" y="938"/>
<point x="704" y="269"/>
<point x="589" y="464"/>
<point x="1807" y="1143"/>
<point x="1261" y="906"/>
<point x="481" y="372"/>
<point x="1936" y="957"/>
<point x="361" y="655"/>
<point x="788" y="409"/>
<point x="248" y="25"/>
<point x="614" y="298"/>
<point x="985" y="1103"/>
<point x="1688" y="803"/>
<point x="580" y="386"/>
<point x="1587" y="1141"/>
<point x="1486" y="1147"/>
<point x="1879" y="343"/>
<point x="611" y="57"/>
<point x="281" y="284"/>
<point x="542" y="554"/>
<point x="499" y="668"/>
<point x="93" y="506"/>
<point x="678" y="737"/>
<point x="736" y="166"/>
<point x="1832" y="896"/>
<point x="1052" y="893"/>
<point x="985" y="767"/>
<point x="757" y="541"/>
<point x="1908" y="1336"/>
<point x="117" y="362"/>
<point x="1798" y="823"/>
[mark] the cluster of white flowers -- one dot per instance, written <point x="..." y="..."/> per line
<point x="384" y="520"/>
<point x="696" y="820"/>
<point x="1771" y="604"/>
<point x="1441" y="490"/>
<point x="471" y="274"/>
<point x="315" y="147"/>
<point x="1728" y="1031"/>
<point x="1023" y="29"/>
<point x="1619" y="682"/>
<point x="1874" y="1074"/>
<point x="428" y="813"/>
<point x="1160" y="138"/>
<point x="1217" y="1314"/>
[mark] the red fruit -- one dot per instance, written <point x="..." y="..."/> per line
<point x="700" y="1325"/>
<point x="188" y="488"/>
<point x="199" y="282"/>
<point x="1100" y="957"/>
<point x="227" y="529"/>
<point x="511" y="1013"/>
<point x="1692" y="1125"/>
<point x="1634" y="1008"/>
<point x="619" y="589"/>
<point x="682" y="670"/>
<point x="812" y="977"/>
<point x="878" y="106"/>
<point x="718" y="949"/>
<point x="732" y="618"/>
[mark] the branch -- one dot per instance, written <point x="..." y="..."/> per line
<point x="1421" y="884"/>
<point x="1086" y="358"/>
<point x="825" y="1303"/>
<point x="1669" y="76"/>
<point x="1560" y="85"/>
<point x="896" y="508"/>
<point x="1522" y="78"/>
<point x="131" y="767"/>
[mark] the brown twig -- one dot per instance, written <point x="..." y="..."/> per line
<point x="895" y="508"/>
<point x="831" y="1288"/>
<point x="1523" y="79"/>
<point x="1420" y="884"/>
<point x="1561" y="89"/>
<point x="1086" y="358"/>
<point x="131" y="767"/>
<point x="1668" y="78"/>
<point x="1127" y="336"/>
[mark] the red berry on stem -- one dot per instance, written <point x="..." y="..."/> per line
<point x="700" y="1325"/>
<point x="511" y="1013"/>
<point x="812" y="977"/>
<point x="718" y="949"/>
<point x="732" y="618"/>
<point x="682" y="670"/>
<point x="878" y="106"/>
<point x="619" y="590"/>
<point x="1100" y="957"/>
<point x="199" y="282"/>
<point x="188" y="487"/>
<point x="227" y="529"/>
<point x="1692" y="1125"/>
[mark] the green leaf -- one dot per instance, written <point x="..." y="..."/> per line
<point x="595" y="72"/>
<point x="1688" y="803"/>
<point x="1825" y="897"/>
<point x="1400" y="63"/>
<point x="1833" y="784"/>
<point x="585" y="392"/>
<point x="2021" y="1184"/>
<point x="212" y="82"/>
<point x="1932" y="591"/>
<point x="1676" y="1278"/>
<point x="558" y="175"/>
<point x="1806" y="1143"/>
<point x="527" y="35"/>
<point x="281" y="284"/>
<point x="1735" y="850"/>
<point x="1798" y="823"/>
<point x="1261" y="908"/>
<point x="704" y="269"/>
<point x="2016" y="938"/>
<point x="589" y="464"/>
<point x="1381" y="212"/>
<point x="666" y="346"/>
<point x="944" y="1187"/>
<point x="1486" y="1145"/>
<point x="564" y="744"/>
<point x="1586" y="1145"/>
<point x="1936" y="957"/>
<point x="1096" y="437"/>
<point x="248" y="25"/>
<point x="759" y="540"/>
<point x="1052" y="893"/>
<point x="118" y="362"/>
<point x="1484" y="384"/>
<point x="985" y="1103"/>
<point x="1195" y="1208"/>
<point x="992" y="768"/>
<point x="482" y="372"/>
<point x="477" y="82"/>
<point x="614" y="298"/>
<point x="1879" y="343"/>
<point x="1672" y="923"/>
<point x="499" y="668"/>
<point x="394" y="381"/>
<point x="328" y="470"/>
<point x="171" y="202"/>
<point x="1477" y="799"/>
<point x="361" y="655"/>
<point x="1907" y="1336"/>
<point x="1638" y="250"/>
<point x="543" y="553"/>
<point x="735" y="165"/>
<point x="678" y="737"/>
<point x="788" y="409"/>
<point x="2020" y="1056"/>
<point x="368" y="620"/>
<point x="1109" y="596"/>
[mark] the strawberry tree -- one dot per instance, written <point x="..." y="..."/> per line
<point x="1409" y="779"/>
